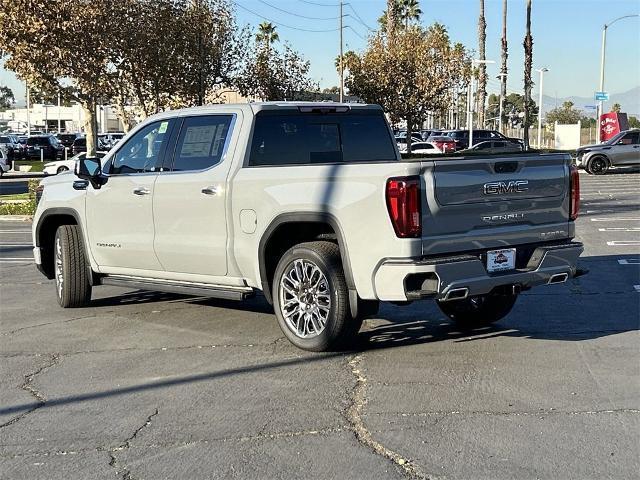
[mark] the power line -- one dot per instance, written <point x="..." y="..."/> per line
<point x="333" y="5"/>
<point x="358" y="18"/>
<point x="297" y="15"/>
<point x="284" y="24"/>
<point x="354" y="31"/>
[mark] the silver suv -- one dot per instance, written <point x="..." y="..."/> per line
<point x="623" y="150"/>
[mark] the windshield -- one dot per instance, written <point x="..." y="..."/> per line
<point x="614" y="139"/>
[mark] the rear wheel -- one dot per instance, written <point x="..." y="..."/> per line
<point x="73" y="288"/>
<point x="598" y="166"/>
<point x="62" y="169"/>
<point x="311" y="298"/>
<point x="479" y="310"/>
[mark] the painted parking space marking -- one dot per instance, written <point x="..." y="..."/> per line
<point x="624" y="243"/>
<point x="15" y="245"/>
<point x="619" y="229"/>
<point x="629" y="261"/>
<point x="616" y="219"/>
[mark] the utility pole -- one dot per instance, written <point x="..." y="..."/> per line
<point x="28" y="111"/>
<point x="541" y="71"/>
<point x="341" y="59"/>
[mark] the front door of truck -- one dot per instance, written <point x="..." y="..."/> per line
<point x="119" y="214"/>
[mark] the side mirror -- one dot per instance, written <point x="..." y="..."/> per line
<point x="90" y="169"/>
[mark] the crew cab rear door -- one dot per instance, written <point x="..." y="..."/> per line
<point x="190" y="201"/>
<point x="482" y="202"/>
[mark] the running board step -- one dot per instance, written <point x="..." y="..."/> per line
<point x="184" y="288"/>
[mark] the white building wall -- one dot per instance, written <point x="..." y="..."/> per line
<point x="72" y="118"/>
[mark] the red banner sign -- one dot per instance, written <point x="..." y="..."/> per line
<point x="611" y="124"/>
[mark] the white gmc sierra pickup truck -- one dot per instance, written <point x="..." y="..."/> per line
<point x="312" y="205"/>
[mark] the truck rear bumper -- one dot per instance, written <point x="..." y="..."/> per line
<point x="456" y="277"/>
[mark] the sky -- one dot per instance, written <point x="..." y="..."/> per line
<point x="566" y="34"/>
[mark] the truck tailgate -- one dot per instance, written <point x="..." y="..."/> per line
<point x="477" y="203"/>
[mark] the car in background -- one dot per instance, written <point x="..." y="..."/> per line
<point x="109" y="140"/>
<point x="622" y="150"/>
<point x="443" y="143"/>
<point x="5" y="164"/>
<point x="461" y="137"/>
<point x="59" y="166"/>
<point x="425" y="134"/>
<point x="67" y="139"/>
<point x="495" y="146"/>
<point x="79" y="146"/>
<point x="9" y="143"/>
<point x="49" y="145"/>
<point x="422" y="148"/>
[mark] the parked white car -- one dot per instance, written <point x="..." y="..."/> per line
<point x="59" y="166"/>
<point x="421" y="148"/>
<point x="4" y="162"/>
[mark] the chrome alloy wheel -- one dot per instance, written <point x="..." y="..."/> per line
<point x="305" y="299"/>
<point x="58" y="261"/>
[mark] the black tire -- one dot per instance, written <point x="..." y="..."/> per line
<point x="598" y="165"/>
<point x="61" y="169"/>
<point x="71" y="270"/>
<point x="339" y="328"/>
<point x="480" y="310"/>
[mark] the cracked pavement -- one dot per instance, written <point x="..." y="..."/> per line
<point x="150" y="386"/>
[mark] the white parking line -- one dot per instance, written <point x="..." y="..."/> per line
<point x="615" y="219"/>
<point x="619" y="229"/>
<point x="628" y="243"/>
<point x="15" y="231"/>
<point x="15" y="259"/>
<point x="15" y="245"/>
<point x="630" y="261"/>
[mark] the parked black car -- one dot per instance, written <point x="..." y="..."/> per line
<point x="67" y="139"/>
<point x="10" y="146"/>
<point x="79" y="146"/>
<point x="50" y="146"/>
<point x="461" y="137"/>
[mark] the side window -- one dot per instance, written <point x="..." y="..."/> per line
<point x="143" y="151"/>
<point x="201" y="142"/>
<point x="632" y="138"/>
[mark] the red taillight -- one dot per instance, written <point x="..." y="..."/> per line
<point x="574" y="206"/>
<point x="403" y="203"/>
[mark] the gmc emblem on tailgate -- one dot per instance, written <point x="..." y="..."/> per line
<point x="510" y="186"/>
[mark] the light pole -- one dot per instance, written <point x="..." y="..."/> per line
<point x="472" y="99"/>
<point x="541" y="71"/>
<point x="602" y="59"/>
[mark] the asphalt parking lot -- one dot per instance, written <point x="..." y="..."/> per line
<point x="150" y="386"/>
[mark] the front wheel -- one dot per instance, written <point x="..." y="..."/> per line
<point x="73" y="288"/>
<point x="311" y="298"/>
<point x="61" y="169"/>
<point x="598" y="166"/>
<point x="479" y="310"/>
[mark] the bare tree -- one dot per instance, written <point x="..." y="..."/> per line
<point x="528" y="62"/>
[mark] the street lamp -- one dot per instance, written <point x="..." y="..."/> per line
<point x="471" y="99"/>
<point x="602" y="55"/>
<point x="541" y="71"/>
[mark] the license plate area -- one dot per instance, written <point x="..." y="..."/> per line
<point x="501" y="260"/>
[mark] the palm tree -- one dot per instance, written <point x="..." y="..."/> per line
<point x="505" y="54"/>
<point x="267" y="34"/>
<point x="409" y="10"/>
<point x="528" y="62"/>
<point x="482" y="68"/>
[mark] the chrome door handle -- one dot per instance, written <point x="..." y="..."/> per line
<point x="211" y="190"/>
<point x="141" y="191"/>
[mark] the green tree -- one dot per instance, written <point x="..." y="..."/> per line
<point x="411" y="74"/>
<point x="528" y="83"/>
<point x="564" y="115"/>
<point x="409" y="11"/>
<point x="267" y="34"/>
<point x="50" y="44"/>
<point x="634" y="122"/>
<point x="6" y="98"/>
<point x="403" y="11"/>
<point x="513" y="109"/>
<point x="616" y="107"/>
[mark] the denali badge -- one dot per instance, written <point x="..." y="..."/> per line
<point x="511" y="186"/>
<point x="503" y="217"/>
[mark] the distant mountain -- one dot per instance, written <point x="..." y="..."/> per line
<point x="629" y="100"/>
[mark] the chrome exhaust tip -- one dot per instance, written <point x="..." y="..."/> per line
<point x="456" y="294"/>
<point x="558" y="278"/>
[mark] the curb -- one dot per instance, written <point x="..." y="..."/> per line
<point x="16" y="218"/>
